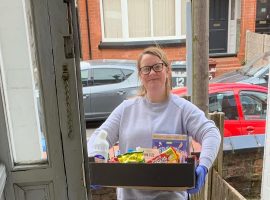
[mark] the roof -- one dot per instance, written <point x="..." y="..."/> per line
<point x="216" y="86"/>
<point x="86" y="64"/>
<point x="109" y="61"/>
<point x="234" y="85"/>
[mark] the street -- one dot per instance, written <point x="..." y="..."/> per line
<point x="91" y="127"/>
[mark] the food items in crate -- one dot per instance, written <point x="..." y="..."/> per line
<point x="148" y="153"/>
<point x="163" y="141"/>
<point x="100" y="148"/>
<point x="131" y="157"/>
<point x="113" y="160"/>
<point x="182" y="155"/>
<point x="168" y="156"/>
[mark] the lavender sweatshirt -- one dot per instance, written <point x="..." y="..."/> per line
<point x="134" y="121"/>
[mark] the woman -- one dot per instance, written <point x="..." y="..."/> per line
<point x="156" y="110"/>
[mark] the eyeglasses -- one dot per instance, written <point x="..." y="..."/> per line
<point x="158" y="67"/>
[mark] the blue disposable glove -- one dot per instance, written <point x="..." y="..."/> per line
<point x="201" y="172"/>
<point x="95" y="187"/>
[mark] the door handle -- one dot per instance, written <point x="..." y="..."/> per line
<point x="121" y="92"/>
<point x="250" y="129"/>
<point x="85" y="96"/>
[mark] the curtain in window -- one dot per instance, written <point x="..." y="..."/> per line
<point x="139" y="18"/>
<point x="164" y="17"/>
<point x="183" y="17"/>
<point x="129" y="19"/>
<point x="112" y="18"/>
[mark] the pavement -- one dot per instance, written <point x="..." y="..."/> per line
<point x="91" y="127"/>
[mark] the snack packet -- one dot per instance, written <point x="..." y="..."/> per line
<point x="163" y="141"/>
<point x="148" y="153"/>
<point x="131" y="157"/>
<point x="167" y="156"/>
<point x="113" y="160"/>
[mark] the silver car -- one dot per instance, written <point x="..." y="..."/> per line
<point x="106" y="83"/>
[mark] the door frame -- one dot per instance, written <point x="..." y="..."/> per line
<point x="234" y="26"/>
<point x="218" y="24"/>
<point x="262" y="24"/>
<point x="67" y="152"/>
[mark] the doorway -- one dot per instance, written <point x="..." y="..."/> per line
<point x="41" y="140"/>
<point x="263" y="17"/>
<point x="218" y="26"/>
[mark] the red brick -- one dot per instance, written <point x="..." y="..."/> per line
<point x="248" y="15"/>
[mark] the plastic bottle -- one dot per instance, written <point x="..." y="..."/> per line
<point x="101" y="147"/>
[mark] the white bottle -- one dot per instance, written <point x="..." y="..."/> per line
<point x="101" y="147"/>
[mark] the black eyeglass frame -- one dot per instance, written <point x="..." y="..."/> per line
<point x="152" y="67"/>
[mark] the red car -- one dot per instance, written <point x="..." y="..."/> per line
<point x="244" y="106"/>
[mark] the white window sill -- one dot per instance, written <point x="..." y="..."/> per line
<point x="3" y="177"/>
<point x="141" y="44"/>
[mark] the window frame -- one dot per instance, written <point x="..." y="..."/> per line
<point x="127" y="75"/>
<point x="220" y="105"/>
<point x="88" y="77"/>
<point x="94" y="83"/>
<point x="125" y="31"/>
<point x="250" y="94"/>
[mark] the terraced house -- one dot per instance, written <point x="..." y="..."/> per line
<point x="122" y="28"/>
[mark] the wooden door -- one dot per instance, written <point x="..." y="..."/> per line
<point x="41" y="140"/>
<point x="218" y="26"/>
<point x="263" y="17"/>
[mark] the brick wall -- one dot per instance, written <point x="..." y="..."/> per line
<point x="83" y="23"/>
<point x="248" y="17"/>
<point x="92" y="30"/>
<point x="243" y="170"/>
<point x="174" y="53"/>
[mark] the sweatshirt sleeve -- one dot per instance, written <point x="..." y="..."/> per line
<point x="111" y="125"/>
<point x="203" y="131"/>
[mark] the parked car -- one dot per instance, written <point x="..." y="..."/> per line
<point x="244" y="106"/>
<point x="106" y="83"/>
<point x="254" y="72"/>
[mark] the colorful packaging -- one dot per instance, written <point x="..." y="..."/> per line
<point x="113" y="160"/>
<point x="148" y="153"/>
<point x="182" y="155"/>
<point x="168" y="156"/>
<point x="164" y="141"/>
<point x="131" y="157"/>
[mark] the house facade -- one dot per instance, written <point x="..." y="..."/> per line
<point x="122" y="28"/>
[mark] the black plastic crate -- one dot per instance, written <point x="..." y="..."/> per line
<point x="176" y="176"/>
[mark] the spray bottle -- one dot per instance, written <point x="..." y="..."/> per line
<point x="101" y="147"/>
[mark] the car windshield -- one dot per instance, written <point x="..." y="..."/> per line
<point x="254" y="70"/>
<point x="256" y="64"/>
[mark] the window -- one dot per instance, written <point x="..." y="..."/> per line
<point x="254" y="105"/>
<point x="85" y="77"/>
<point x="105" y="76"/>
<point x="127" y="72"/>
<point x="22" y="99"/>
<point x="224" y="102"/>
<point x="138" y="20"/>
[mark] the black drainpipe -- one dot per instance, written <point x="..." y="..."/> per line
<point x="88" y="30"/>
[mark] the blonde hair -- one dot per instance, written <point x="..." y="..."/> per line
<point x="155" y="51"/>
